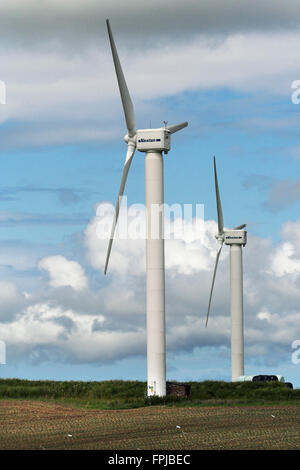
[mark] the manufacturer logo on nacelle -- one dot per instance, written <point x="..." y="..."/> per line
<point x="149" y="140"/>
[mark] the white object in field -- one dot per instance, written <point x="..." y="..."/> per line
<point x="153" y="142"/>
<point x="245" y="378"/>
<point x="236" y="238"/>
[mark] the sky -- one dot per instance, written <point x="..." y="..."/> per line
<point x="228" y="68"/>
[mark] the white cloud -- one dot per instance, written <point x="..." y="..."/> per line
<point x="188" y="245"/>
<point x="264" y="315"/>
<point x="286" y="259"/>
<point x="128" y="256"/>
<point x="67" y="335"/>
<point x="63" y="272"/>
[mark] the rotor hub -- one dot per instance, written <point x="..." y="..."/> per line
<point x="128" y="139"/>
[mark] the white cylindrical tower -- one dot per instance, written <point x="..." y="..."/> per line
<point x="155" y="269"/>
<point x="236" y="307"/>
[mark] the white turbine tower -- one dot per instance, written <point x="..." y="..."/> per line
<point x="153" y="142"/>
<point x="235" y="238"/>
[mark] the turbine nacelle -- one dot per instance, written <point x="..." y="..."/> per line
<point x="158" y="139"/>
<point x="233" y="237"/>
<point x="153" y="139"/>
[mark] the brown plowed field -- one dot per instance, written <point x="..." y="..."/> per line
<point x="37" y="425"/>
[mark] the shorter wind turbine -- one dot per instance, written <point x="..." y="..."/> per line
<point x="236" y="238"/>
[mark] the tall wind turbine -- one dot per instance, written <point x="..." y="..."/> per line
<point x="235" y="238"/>
<point x="153" y="142"/>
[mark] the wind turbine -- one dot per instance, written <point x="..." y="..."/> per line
<point x="235" y="238"/>
<point x="153" y="142"/>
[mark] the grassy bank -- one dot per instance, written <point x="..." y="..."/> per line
<point x="119" y="394"/>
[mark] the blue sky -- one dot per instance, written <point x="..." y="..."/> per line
<point x="61" y="154"/>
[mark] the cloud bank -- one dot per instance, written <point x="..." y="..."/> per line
<point x="78" y="23"/>
<point x="69" y="321"/>
<point x="61" y="86"/>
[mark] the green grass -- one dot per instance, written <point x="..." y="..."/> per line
<point x="119" y="394"/>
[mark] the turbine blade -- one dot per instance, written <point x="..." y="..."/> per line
<point x="125" y="96"/>
<point x="176" y="127"/>
<point x="213" y="282"/>
<point x="240" y="227"/>
<point x="128" y="160"/>
<point x="218" y="199"/>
